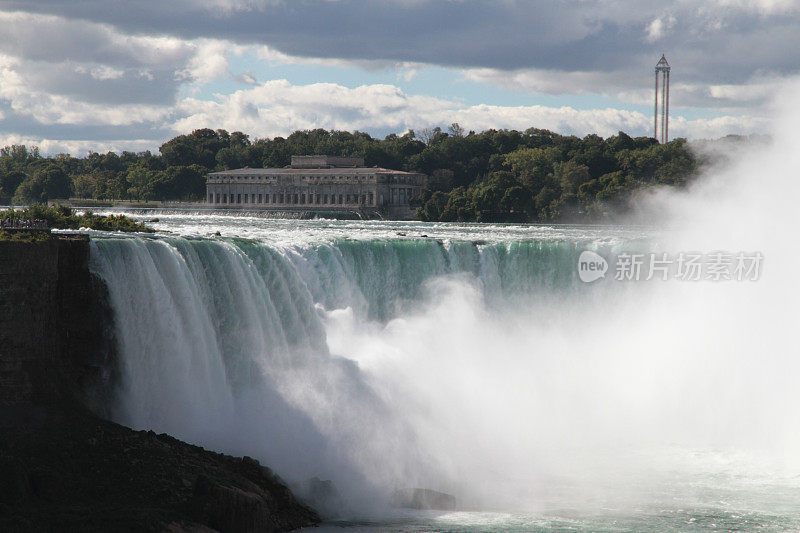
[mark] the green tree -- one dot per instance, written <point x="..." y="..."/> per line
<point x="515" y="201"/>
<point x="9" y="181"/>
<point x="531" y="166"/>
<point x="83" y="186"/>
<point x="433" y="208"/>
<point x="47" y="182"/>
<point x="141" y="182"/>
<point x="28" y="192"/>
<point x="119" y="186"/>
<point x="570" y="175"/>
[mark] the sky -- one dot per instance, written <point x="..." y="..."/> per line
<point x="99" y="75"/>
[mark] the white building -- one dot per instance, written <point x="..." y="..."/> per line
<point x="317" y="183"/>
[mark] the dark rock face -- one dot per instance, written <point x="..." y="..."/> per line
<point x="51" y="322"/>
<point x="423" y="499"/>
<point x="258" y="504"/>
<point x="62" y="467"/>
<point x="28" y="305"/>
<point x="322" y="495"/>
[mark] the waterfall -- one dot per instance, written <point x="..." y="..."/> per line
<point x="223" y="342"/>
<point x="488" y="370"/>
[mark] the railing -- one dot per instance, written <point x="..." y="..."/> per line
<point x="24" y="224"/>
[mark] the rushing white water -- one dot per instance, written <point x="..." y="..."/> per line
<point x="471" y="359"/>
<point x="228" y="343"/>
<point x="485" y="369"/>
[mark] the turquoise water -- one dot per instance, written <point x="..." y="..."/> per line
<point x="464" y="358"/>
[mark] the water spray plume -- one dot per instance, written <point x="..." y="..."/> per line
<point x="488" y="370"/>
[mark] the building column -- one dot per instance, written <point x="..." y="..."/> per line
<point x="655" y="111"/>
<point x="666" y="130"/>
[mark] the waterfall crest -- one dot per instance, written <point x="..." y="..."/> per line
<point x="223" y="342"/>
<point x="489" y="371"/>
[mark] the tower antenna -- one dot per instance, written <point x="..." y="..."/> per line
<point x="662" y="68"/>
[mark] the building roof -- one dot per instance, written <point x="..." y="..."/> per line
<point x="308" y="171"/>
<point x="325" y="161"/>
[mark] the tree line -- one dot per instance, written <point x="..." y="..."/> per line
<point x="494" y="175"/>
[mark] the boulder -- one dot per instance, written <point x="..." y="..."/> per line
<point x="321" y="495"/>
<point x="423" y="499"/>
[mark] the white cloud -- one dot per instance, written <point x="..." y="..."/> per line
<point x="79" y="148"/>
<point x="750" y="96"/>
<point x="28" y="99"/>
<point x="742" y="92"/>
<point x="408" y="74"/>
<point x="57" y="71"/>
<point x="69" y="74"/>
<point x="278" y="108"/>
<point x="765" y="7"/>
<point x="234" y="6"/>
<point x="713" y="128"/>
<point x="52" y="38"/>
<point x="658" y="28"/>
<point x="105" y="72"/>
<point x="273" y="57"/>
<point x="247" y="77"/>
<point x="210" y="60"/>
<point x="549" y="81"/>
<point x="61" y="71"/>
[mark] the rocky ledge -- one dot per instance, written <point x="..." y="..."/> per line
<point x="64" y="469"/>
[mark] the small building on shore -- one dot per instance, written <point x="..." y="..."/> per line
<point x="317" y="183"/>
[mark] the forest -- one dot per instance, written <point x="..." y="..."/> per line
<point x="495" y="175"/>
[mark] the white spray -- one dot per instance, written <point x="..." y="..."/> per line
<point x="482" y="370"/>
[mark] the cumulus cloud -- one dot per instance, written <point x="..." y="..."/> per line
<point x="278" y="108"/>
<point x="658" y="28"/>
<point x="579" y="35"/>
<point x="720" y="42"/>
<point x="71" y="78"/>
<point x="613" y="83"/>
<point x="765" y="7"/>
<point x="50" y="38"/>
<point x="210" y="60"/>
<point x="77" y="147"/>
<point x="50" y="58"/>
<point x="45" y="95"/>
<point x="751" y="95"/>
<point x="95" y="70"/>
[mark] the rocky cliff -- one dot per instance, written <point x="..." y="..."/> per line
<point x="63" y="467"/>
<point x="50" y="320"/>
